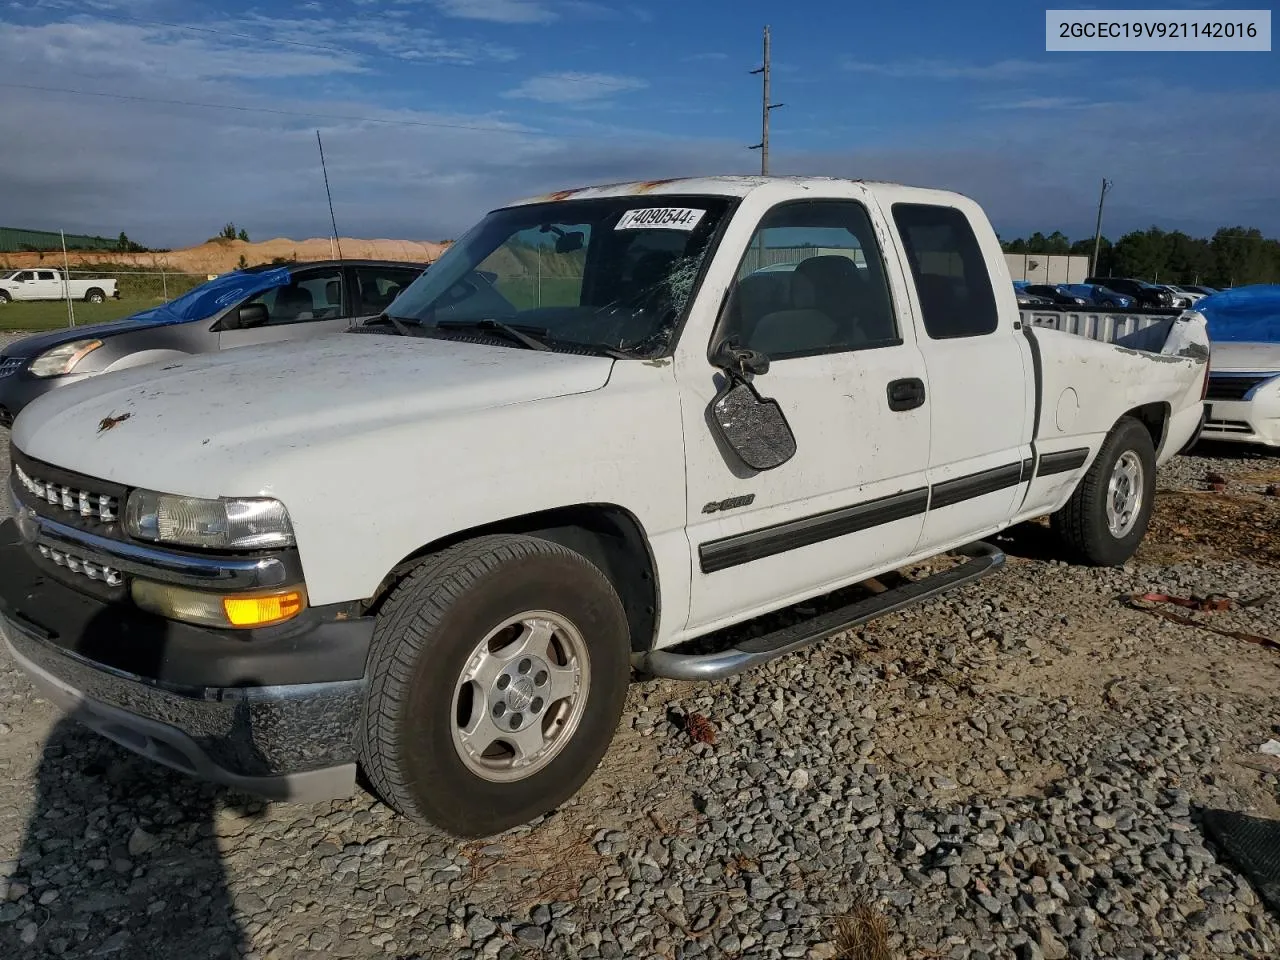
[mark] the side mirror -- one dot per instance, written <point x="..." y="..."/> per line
<point x="754" y="427"/>
<point x="251" y="315"/>
<point x="739" y="361"/>
<point x="570" y="242"/>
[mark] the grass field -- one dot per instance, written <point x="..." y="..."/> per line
<point x="52" y="314"/>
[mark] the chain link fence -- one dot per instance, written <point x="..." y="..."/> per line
<point x="157" y="285"/>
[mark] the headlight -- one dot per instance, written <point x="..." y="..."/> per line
<point x="62" y="359"/>
<point x="250" y="524"/>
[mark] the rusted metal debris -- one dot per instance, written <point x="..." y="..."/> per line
<point x="107" y="423"/>
<point x="1215" y="482"/>
<point x="701" y="730"/>
<point x="1146" y="602"/>
<point x="1191" y="603"/>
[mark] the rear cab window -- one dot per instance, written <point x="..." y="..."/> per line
<point x="950" y="273"/>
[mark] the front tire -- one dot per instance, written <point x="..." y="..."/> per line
<point x="1107" y="515"/>
<point x="498" y="673"/>
<point x="4" y="297"/>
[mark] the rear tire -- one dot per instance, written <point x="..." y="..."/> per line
<point x="499" y="636"/>
<point x="1107" y="515"/>
<point x="95" y="296"/>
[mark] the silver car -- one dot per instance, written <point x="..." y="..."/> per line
<point x="258" y="305"/>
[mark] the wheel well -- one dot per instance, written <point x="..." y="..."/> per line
<point x="607" y="535"/>
<point x="1155" y="417"/>
<point x="92" y="290"/>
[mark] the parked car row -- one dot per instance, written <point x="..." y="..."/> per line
<point x="1115" y="292"/>
<point x="435" y="552"/>
<point x="1070" y="295"/>
<point x="252" y="306"/>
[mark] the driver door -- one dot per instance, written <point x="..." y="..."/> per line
<point x="812" y="293"/>
<point x="25" y="286"/>
<point x="313" y="304"/>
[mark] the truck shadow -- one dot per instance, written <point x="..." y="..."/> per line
<point x="1224" y="450"/>
<point x="119" y="858"/>
<point x="1032" y="540"/>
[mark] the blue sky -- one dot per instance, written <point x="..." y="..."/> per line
<point x="435" y="110"/>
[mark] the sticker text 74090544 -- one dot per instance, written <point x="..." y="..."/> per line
<point x="660" y="218"/>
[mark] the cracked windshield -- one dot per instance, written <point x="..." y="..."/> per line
<point x="613" y="275"/>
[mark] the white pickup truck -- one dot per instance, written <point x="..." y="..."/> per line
<point x="48" y="283"/>
<point x="437" y="550"/>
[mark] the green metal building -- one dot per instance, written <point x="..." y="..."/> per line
<point x="13" y="240"/>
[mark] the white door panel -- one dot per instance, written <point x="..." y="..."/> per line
<point x="851" y="451"/>
<point x="980" y="378"/>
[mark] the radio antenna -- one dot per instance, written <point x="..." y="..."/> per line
<point x="325" y="171"/>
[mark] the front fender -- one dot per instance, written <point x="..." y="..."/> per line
<point x="143" y="357"/>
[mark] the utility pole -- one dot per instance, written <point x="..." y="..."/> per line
<point x="1097" y="231"/>
<point x="766" y="107"/>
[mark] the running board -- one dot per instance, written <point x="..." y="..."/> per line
<point x="984" y="558"/>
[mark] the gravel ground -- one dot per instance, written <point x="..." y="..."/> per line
<point x="1017" y="769"/>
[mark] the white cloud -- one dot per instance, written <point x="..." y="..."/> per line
<point x="1047" y="103"/>
<point x="169" y="174"/>
<point x="498" y="11"/>
<point x="574" y="88"/>
<point x="951" y="70"/>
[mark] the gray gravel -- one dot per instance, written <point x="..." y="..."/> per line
<point x="1013" y="770"/>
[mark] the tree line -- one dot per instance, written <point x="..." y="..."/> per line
<point x="1232" y="257"/>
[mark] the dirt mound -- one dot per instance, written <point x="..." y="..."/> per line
<point x="219" y="256"/>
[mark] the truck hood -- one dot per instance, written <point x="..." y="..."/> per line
<point x="203" y="425"/>
<point x="1245" y="357"/>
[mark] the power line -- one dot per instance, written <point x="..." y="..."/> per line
<point x="295" y="113"/>
<point x="381" y="54"/>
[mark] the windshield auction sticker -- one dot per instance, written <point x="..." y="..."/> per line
<point x="1187" y="31"/>
<point x="660" y="218"/>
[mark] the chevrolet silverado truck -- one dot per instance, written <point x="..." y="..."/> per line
<point x="48" y="283"/>
<point x="607" y="425"/>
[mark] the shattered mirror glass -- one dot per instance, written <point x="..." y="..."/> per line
<point x="755" y="427"/>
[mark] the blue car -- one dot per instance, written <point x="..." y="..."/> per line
<point x="1097" y="295"/>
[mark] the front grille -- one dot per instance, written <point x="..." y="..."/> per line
<point x="79" y="565"/>
<point x="9" y="366"/>
<point x="72" y="500"/>
<point x="1234" y="386"/>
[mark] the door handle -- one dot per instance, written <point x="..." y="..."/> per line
<point x="906" y="394"/>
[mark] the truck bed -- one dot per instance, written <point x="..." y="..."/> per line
<point x="1146" y="330"/>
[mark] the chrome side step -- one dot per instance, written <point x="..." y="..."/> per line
<point x="984" y="558"/>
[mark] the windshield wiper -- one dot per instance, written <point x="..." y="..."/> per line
<point x="534" y="338"/>
<point x="397" y="323"/>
